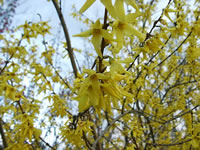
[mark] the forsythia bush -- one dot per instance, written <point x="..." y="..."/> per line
<point x="142" y="91"/>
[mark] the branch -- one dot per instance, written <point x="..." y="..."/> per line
<point x="112" y="123"/>
<point x="68" y="41"/>
<point x="146" y="18"/>
<point x="181" y="114"/>
<point x="87" y="142"/>
<point x="51" y="63"/>
<point x="103" y="41"/>
<point x="47" y="144"/>
<point x="5" y="144"/>
<point x="107" y="139"/>
<point x="178" y="84"/>
<point x="108" y="127"/>
<point x="164" y="81"/>
<point x="175" y="49"/>
<point x="170" y="144"/>
<point x="134" y="141"/>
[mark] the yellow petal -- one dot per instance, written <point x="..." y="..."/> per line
<point x="84" y="102"/>
<point x="97" y="25"/>
<point x="102" y="76"/>
<point x="119" y="77"/>
<point x="120" y="38"/>
<point x="110" y="8"/>
<point x="167" y="15"/>
<point x="116" y="67"/>
<point x="107" y="35"/>
<point x="84" y="86"/>
<point x="111" y="90"/>
<point x="119" y="6"/>
<point x="132" y="3"/>
<point x="132" y="31"/>
<point x="96" y="41"/>
<point x="125" y="93"/>
<point x="84" y="34"/>
<point x="96" y="91"/>
<point x="102" y="103"/>
<point x="89" y="71"/>
<point x="132" y="16"/>
<point x="93" y="95"/>
<point x="87" y="4"/>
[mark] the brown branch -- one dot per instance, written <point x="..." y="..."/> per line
<point x="47" y="144"/>
<point x="103" y="41"/>
<point x="108" y="127"/>
<point x="129" y="67"/>
<point x="175" y="49"/>
<point x="181" y="114"/>
<point x="150" y="129"/>
<point x="67" y="37"/>
<point x="170" y="144"/>
<point x="57" y="73"/>
<point x="5" y="144"/>
<point x="151" y="59"/>
<point x="87" y="142"/>
<point x="20" y="106"/>
<point x="98" y="147"/>
<point x="146" y="18"/>
<point x="178" y="84"/>
<point x="112" y="123"/>
<point x="134" y="141"/>
<point x="164" y="81"/>
<point x="146" y="116"/>
<point x="107" y="139"/>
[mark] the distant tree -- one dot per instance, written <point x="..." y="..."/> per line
<point x="141" y="91"/>
<point x="7" y="11"/>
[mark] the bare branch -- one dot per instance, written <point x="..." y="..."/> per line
<point x="47" y="144"/>
<point x="68" y="41"/>
<point x="5" y="144"/>
<point x="170" y="144"/>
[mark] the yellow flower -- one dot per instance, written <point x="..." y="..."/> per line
<point x="90" y="93"/>
<point x="10" y="92"/>
<point x="108" y="5"/>
<point x="97" y="33"/>
<point x="167" y="11"/>
<point x="121" y="25"/>
<point x="87" y="4"/>
<point x="96" y="86"/>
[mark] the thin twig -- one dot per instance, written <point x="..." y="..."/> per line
<point x="110" y="125"/>
<point x="175" y="49"/>
<point x="181" y="114"/>
<point x="47" y="144"/>
<point x="5" y="144"/>
<point x="170" y="144"/>
<point x="103" y="41"/>
<point x="107" y="139"/>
